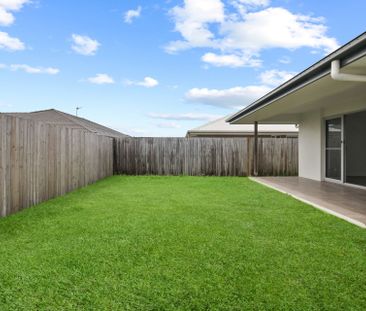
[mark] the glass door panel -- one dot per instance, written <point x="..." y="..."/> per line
<point x="355" y="148"/>
<point x="333" y="149"/>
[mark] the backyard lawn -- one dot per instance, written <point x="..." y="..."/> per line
<point x="168" y="243"/>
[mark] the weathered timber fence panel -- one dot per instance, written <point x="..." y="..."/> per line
<point x="40" y="161"/>
<point x="205" y="156"/>
<point x="278" y="156"/>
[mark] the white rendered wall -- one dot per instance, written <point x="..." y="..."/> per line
<point x="310" y="146"/>
<point x="311" y="137"/>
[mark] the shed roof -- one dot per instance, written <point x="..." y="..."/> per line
<point x="221" y="127"/>
<point x="56" y="117"/>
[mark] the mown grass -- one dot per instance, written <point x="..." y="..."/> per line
<point x="180" y="243"/>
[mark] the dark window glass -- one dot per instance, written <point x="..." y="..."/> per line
<point x="334" y="133"/>
<point x="334" y="148"/>
<point x="355" y="146"/>
<point x="334" y="164"/>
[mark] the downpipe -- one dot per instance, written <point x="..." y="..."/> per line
<point x="338" y="76"/>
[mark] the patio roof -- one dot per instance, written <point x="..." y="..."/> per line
<point x="311" y="89"/>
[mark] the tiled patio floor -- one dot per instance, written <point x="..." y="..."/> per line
<point x="343" y="201"/>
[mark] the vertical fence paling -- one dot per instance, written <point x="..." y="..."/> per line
<point x="205" y="156"/>
<point x="41" y="161"/>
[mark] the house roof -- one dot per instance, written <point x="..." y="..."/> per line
<point x="352" y="57"/>
<point x="221" y="127"/>
<point x="56" y="117"/>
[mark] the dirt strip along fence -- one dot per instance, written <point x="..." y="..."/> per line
<point x="41" y="161"/>
<point x="205" y="156"/>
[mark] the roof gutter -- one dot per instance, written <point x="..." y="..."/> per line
<point x="347" y="54"/>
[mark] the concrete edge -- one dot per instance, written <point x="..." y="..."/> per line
<point x="317" y="206"/>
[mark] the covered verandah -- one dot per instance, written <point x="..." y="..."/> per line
<point x="328" y="102"/>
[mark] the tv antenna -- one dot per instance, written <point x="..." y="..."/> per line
<point x="77" y="110"/>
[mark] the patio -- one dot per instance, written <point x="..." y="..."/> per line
<point x="342" y="201"/>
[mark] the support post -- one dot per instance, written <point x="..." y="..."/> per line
<point x="255" y="157"/>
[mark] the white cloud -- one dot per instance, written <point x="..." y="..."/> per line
<point x="275" y="77"/>
<point x="277" y="28"/>
<point x="172" y="125"/>
<point x="236" y="97"/>
<point x="249" y="4"/>
<point x="184" y="116"/>
<point x="243" y="6"/>
<point x="6" y="6"/>
<point x="101" y="78"/>
<point x="285" y="60"/>
<point x="10" y="43"/>
<point x="6" y="18"/>
<point x="130" y="15"/>
<point x="245" y="34"/>
<point x="13" y="5"/>
<point x="34" y="70"/>
<point x="230" y="60"/>
<point x="149" y="82"/>
<point x="240" y="96"/>
<point x="192" y="21"/>
<point x="146" y="82"/>
<point x="84" y="45"/>
<point x="254" y="2"/>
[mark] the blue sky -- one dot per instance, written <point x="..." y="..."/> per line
<point x="159" y="68"/>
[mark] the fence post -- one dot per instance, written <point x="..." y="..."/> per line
<point x="255" y="148"/>
<point x="115" y="157"/>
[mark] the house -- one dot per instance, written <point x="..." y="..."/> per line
<point x="330" y="107"/>
<point x="56" y="117"/>
<point x="328" y="101"/>
<point x="220" y="128"/>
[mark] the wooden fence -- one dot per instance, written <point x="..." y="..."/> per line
<point x="205" y="156"/>
<point x="40" y="161"/>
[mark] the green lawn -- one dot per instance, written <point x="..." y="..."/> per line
<point x="186" y="243"/>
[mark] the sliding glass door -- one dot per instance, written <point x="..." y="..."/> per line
<point x="345" y="149"/>
<point x="355" y="148"/>
<point x="333" y="149"/>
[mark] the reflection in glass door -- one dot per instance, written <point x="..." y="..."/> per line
<point x="333" y="149"/>
<point x="355" y="148"/>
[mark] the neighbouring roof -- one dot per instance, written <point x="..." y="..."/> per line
<point x="221" y="128"/>
<point x="56" y="117"/>
<point x="352" y="57"/>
